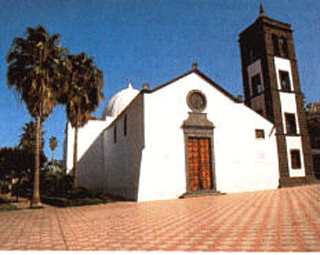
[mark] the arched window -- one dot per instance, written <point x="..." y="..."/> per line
<point x="275" y="41"/>
<point x="125" y="125"/>
<point x="115" y="134"/>
<point x="284" y="46"/>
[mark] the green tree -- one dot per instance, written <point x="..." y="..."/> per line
<point x="53" y="143"/>
<point x="34" y="65"/>
<point x="82" y="89"/>
<point x="15" y="161"/>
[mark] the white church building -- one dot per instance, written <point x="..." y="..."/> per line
<point x="190" y="136"/>
<point x="186" y="136"/>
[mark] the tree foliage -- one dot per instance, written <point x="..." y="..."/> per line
<point x="53" y="143"/>
<point x="17" y="162"/>
<point x="34" y="66"/>
<point x="42" y="74"/>
<point x="34" y="72"/>
<point x="82" y="94"/>
<point x="82" y="89"/>
<point x="28" y="137"/>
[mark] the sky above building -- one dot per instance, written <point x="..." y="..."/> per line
<point x="151" y="41"/>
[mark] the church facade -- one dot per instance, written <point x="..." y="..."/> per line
<point x="190" y="136"/>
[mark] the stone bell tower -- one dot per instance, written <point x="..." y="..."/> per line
<point x="272" y="88"/>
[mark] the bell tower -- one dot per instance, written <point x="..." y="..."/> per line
<point x="271" y="88"/>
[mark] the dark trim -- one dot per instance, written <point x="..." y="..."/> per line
<point x="203" y="76"/>
<point x="295" y="135"/>
<point x="95" y="118"/>
<point x="268" y="21"/>
<point x="292" y="58"/>
<point x="190" y="103"/>
<point x="262" y="92"/>
<point x="297" y="181"/>
<point x="285" y="91"/>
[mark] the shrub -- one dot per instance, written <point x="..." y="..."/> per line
<point x="55" y="201"/>
<point x="64" y="202"/>
<point x="79" y="192"/>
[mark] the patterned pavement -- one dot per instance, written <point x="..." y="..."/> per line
<point x="277" y="220"/>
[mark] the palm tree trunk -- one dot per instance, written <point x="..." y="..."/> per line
<point x="75" y="156"/>
<point x="35" y="201"/>
<point x="52" y="162"/>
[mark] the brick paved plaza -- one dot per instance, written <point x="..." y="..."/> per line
<point x="278" y="220"/>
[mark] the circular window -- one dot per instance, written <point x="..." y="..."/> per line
<point x="196" y="100"/>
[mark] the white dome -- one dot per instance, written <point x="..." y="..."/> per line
<point x="119" y="102"/>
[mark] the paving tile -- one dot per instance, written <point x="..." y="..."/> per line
<point x="277" y="220"/>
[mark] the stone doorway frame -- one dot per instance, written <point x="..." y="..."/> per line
<point x="198" y="126"/>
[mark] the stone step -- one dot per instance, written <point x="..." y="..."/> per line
<point x="202" y="194"/>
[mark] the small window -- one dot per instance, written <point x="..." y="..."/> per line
<point x="125" y="128"/>
<point x="285" y="81"/>
<point x="259" y="133"/>
<point x="275" y="41"/>
<point x="256" y="85"/>
<point x="295" y="159"/>
<point x="115" y="134"/>
<point x="291" y="124"/>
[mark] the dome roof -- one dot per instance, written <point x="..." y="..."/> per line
<point x="120" y="101"/>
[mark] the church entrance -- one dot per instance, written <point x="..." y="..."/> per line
<point x="198" y="138"/>
<point x="199" y="159"/>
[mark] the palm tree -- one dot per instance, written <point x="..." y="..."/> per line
<point x="28" y="137"/>
<point x="53" y="143"/>
<point x="82" y="95"/>
<point x="33" y="71"/>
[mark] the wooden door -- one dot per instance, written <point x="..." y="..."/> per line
<point x="200" y="177"/>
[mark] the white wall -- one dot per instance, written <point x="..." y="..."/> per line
<point x="242" y="163"/>
<point x="86" y="136"/>
<point x="258" y="102"/>
<point x="122" y="159"/>
<point x="90" y="167"/>
<point x="149" y="162"/>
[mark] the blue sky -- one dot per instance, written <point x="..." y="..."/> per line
<point x="151" y="41"/>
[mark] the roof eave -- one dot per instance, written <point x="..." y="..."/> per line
<point x="203" y="76"/>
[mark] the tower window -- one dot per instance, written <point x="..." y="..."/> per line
<point x="256" y="85"/>
<point x="125" y="128"/>
<point x="251" y="55"/>
<point x="275" y="42"/>
<point x="284" y="46"/>
<point x="259" y="133"/>
<point x="285" y="81"/>
<point x="291" y="124"/>
<point x="295" y="159"/>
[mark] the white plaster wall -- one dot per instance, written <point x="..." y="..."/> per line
<point x="122" y="159"/>
<point x="86" y="136"/>
<point x="242" y="163"/>
<point x="253" y="69"/>
<point x="90" y="167"/>
<point x="257" y="103"/>
<point x="294" y="143"/>
<point x="283" y="65"/>
<point x="288" y="105"/>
